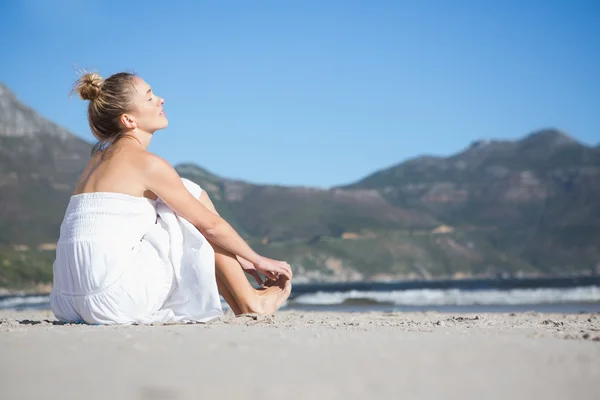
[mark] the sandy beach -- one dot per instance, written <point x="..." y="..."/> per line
<point x="305" y="355"/>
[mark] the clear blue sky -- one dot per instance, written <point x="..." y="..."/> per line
<point x="317" y="93"/>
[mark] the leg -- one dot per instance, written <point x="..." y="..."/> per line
<point x="234" y="286"/>
<point x="232" y="280"/>
<point x="224" y="291"/>
<point x="247" y="299"/>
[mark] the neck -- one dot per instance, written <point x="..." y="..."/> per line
<point x="142" y="138"/>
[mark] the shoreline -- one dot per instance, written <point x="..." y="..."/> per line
<point x="43" y="289"/>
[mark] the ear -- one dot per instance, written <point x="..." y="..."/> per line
<point x="128" y="122"/>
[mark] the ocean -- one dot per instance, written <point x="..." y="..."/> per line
<point x="543" y="295"/>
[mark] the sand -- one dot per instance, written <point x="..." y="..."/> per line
<point x="305" y="355"/>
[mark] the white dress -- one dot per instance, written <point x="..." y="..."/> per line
<point x="122" y="259"/>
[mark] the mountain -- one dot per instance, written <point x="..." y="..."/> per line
<point x="498" y="182"/>
<point x="39" y="166"/>
<point x="529" y="206"/>
<point x="538" y="196"/>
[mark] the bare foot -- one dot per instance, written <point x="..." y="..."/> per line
<point x="273" y="297"/>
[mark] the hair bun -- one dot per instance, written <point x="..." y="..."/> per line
<point x="89" y="85"/>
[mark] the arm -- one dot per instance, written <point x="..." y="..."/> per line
<point x="207" y="202"/>
<point x="164" y="181"/>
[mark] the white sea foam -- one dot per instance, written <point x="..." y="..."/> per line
<point x="456" y="297"/>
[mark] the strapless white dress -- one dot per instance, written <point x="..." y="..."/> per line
<point x="122" y="259"/>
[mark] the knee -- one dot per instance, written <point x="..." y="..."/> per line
<point x="192" y="187"/>
<point x="221" y="255"/>
<point x="207" y="202"/>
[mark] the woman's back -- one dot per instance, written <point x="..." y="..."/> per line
<point x="106" y="217"/>
<point x="120" y="169"/>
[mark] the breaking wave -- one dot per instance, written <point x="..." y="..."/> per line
<point x="454" y="297"/>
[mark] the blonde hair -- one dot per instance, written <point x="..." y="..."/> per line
<point x="108" y="99"/>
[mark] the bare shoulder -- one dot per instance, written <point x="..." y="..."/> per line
<point x="146" y="170"/>
<point x="156" y="165"/>
<point x="159" y="173"/>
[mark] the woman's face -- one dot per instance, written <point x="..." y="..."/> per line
<point x="147" y="108"/>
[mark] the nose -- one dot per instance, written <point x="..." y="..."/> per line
<point x="162" y="101"/>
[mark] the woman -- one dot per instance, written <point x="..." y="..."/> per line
<point x="138" y="244"/>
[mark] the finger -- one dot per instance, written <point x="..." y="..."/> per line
<point x="286" y="270"/>
<point x="271" y="275"/>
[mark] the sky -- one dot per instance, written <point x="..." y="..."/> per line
<point x="317" y="93"/>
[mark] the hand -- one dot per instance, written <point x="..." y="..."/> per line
<point x="249" y="268"/>
<point x="273" y="268"/>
